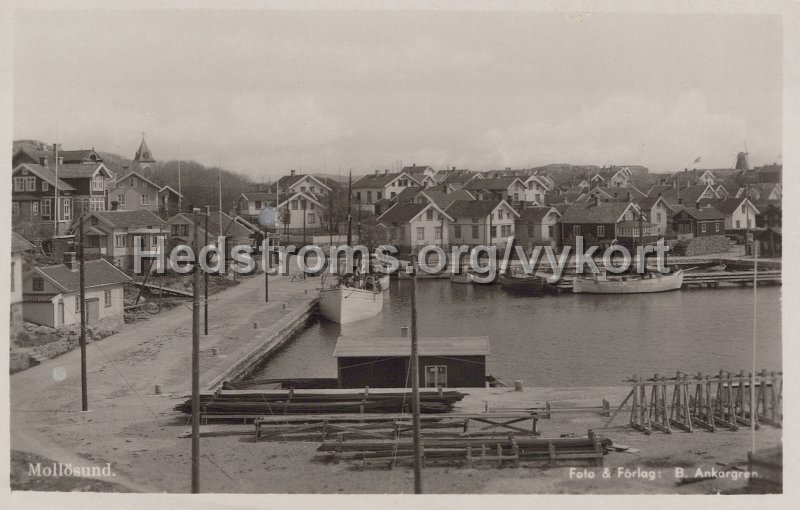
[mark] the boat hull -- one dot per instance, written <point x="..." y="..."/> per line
<point x="529" y="284"/>
<point x="384" y="281"/>
<point x="661" y="283"/>
<point x="461" y="278"/>
<point x="344" y="304"/>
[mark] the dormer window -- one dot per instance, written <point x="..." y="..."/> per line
<point x="132" y="182"/>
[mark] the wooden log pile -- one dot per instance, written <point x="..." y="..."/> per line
<point x="686" y="402"/>
<point x="392" y="426"/>
<point x="570" y="451"/>
<point x="249" y="404"/>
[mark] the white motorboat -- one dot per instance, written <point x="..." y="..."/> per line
<point x="344" y="304"/>
<point x="650" y="282"/>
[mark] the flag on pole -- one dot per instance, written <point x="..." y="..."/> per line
<point x="697" y="159"/>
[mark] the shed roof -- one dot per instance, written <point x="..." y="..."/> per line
<point x="19" y="243"/>
<point x="98" y="272"/>
<point x="353" y="346"/>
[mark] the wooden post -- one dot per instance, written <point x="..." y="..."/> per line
<point x="415" y="382"/>
<point x="196" y="357"/>
<point x="82" y="255"/>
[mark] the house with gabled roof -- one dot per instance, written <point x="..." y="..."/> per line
<point x="606" y="223"/>
<point x="113" y="234"/>
<point x="690" y="195"/>
<point x="770" y="173"/>
<point x="657" y="212"/>
<point x="134" y="191"/>
<point x="443" y="199"/>
<point x="740" y="213"/>
<point x="51" y="294"/>
<point x="510" y="189"/>
<point x="34" y="192"/>
<point x="487" y="222"/>
<point x="409" y="226"/>
<point x="301" y="211"/>
<point x="689" y="222"/>
<point x="181" y="229"/>
<point x="251" y="203"/>
<point x="536" y="187"/>
<point x="537" y="226"/>
<point x="373" y="187"/>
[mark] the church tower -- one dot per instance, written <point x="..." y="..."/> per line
<point x="143" y="162"/>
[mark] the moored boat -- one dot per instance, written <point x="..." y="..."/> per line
<point x="648" y="283"/>
<point x="344" y="304"/>
<point x="523" y="283"/>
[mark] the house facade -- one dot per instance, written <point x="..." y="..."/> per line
<point x="301" y="211"/>
<point x="181" y="230"/>
<point x="251" y="203"/>
<point x="740" y="213"/>
<point x="538" y="226"/>
<point x="371" y="188"/>
<point x="411" y="225"/>
<point x="606" y="223"/>
<point x="19" y="246"/>
<point x="51" y="294"/>
<point x="135" y="192"/>
<point x="113" y="234"/>
<point x="691" y="222"/>
<point x="481" y="222"/>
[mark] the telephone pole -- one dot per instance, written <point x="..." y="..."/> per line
<point x="84" y="390"/>
<point x="205" y="280"/>
<point x="265" y="261"/>
<point x="415" y="382"/>
<point x="196" y="357"/>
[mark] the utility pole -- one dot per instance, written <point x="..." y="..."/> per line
<point x="350" y="209"/>
<point x="265" y="256"/>
<point x="196" y="357"/>
<point x="84" y="391"/>
<point x="305" y="203"/>
<point x="55" y="188"/>
<point x="205" y="279"/>
<point x="415" y="382"/>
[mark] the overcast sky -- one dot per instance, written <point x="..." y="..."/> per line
<point x="266" y="91"/>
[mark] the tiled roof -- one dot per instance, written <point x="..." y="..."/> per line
<point x="536" y="214"/>
<point x="494" y="184"/>
<point x="129" y="219"/>
<point x="726" y="205"/>
<point x="19" y="243"/>
<point x="230" y="227"/>
<point x="97" y="272"/>
<point x="77" y="156"/>
<point x="471" y="208"/>
<point x="261" y="196"/>
<point x="415" y="169"/>
<point x="443" y="200"/>
<point x="402" y="212"/>
<point x="704" y="213"/>
<point x="408" y="194"/>
<point x="689" y="195"/>
<point x="77" y="170"/>
<point x="378" y="180"/>
<point x="604" y="212"/>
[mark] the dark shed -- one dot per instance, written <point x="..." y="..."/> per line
<point x="455" y="362"/>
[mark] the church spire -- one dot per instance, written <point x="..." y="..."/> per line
<point x="143" y="161"/>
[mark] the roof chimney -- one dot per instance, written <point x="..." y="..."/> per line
<point x="455" y="167"/>
<point x="70" y="261"/>
<point x="697" y="205"/>
<point x="659" y="194"/>
<point x="377" y="172"/>
<point x="43" y="160"/>
<point x="680" y="201"/>
<point x="385" y="171"/>
<point x="291" y="173"/>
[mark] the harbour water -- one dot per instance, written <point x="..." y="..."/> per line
<point x="566" y="340"/>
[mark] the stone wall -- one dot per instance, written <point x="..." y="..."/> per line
<point x="701" y="246"/>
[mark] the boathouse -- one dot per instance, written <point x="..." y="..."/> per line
<point x="455" y="362"/>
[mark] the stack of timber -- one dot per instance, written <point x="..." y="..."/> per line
<point x="570" y="451"/>
<point x="392" y="426"/>
<point x="246" y="405"/>
<point x="686" y="402"/>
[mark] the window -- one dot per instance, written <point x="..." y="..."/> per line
<point x="380" y="194"/>
<point x="437" y="232"/>
<point x="716" y="227"/>
<point x="703" y="227"/>
<point x="67" y="207"/>
<point x="601" y="231"/>
<point x="312" y="218"/>
<point x="429" y="214"/>
<point x="393" y="194"/>
<point x="184" y="230"/>
<point x="258" y="204"/>
<point x="97" y="204"/>
<point x="494" y="230"/>
<point x="30" y="183"/>
<point x="46" y="205"/>
<point x="311" y="189"/>
<point x="77" y="303"/>
<point x="551" y="231"/>
<point x="154" y="240"/>
<point x="120" y="241"/>
<point x="107" y="298"/>
<point x="516" y="197"/>
<point x="121" y="200"/>
<point x="435" y="376"/>
<point x="475" y="231"/>
<point x="576" y="230"/>
<point x="420" y="233"/>
<point x="738" y="223"/>
<point x="530" y="230"/>
<point x="303" y="189"/>
<point x="132" y="182"/>
<point x="145" y="200"/>
<point x="311" y="205"/>
<point x="505" y="230"/>
<point x="294" y="205"/>
<point x="658" y="217"/>
<point x="19" y="184"/>
<point x="14" y="208"/>
<point x="358" y="196"/>
<point x="34" y="208"/>
<point x="457" y="230"/>
<point x="98" y="183"/>
<point x="175" y="230"/>
<point x="743" y="209"/>
<point x="369" y="197"/>
<point x="45" y="186"/>
<point x="38" y="284"/>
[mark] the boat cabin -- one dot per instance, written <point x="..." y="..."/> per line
<point x="449" y="362"/>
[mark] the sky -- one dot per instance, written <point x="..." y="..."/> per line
<point x="263" y="92"/>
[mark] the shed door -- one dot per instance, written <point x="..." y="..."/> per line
<point x="435" y="376"/>
<point x="92" y="310"/>
<point x="60" y="317"/>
